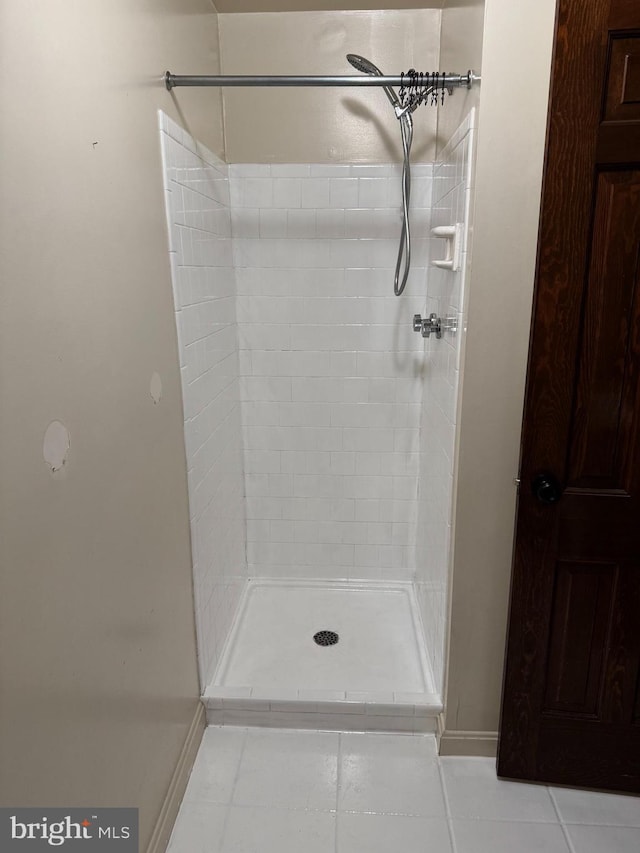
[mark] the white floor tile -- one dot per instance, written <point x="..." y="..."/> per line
<point x="284" y="787"/>
<point x="591" y="807"/>
<point x="376" y="833"/>
<point x="216" y="766"/>
<point x="259" y="830"/>
<point x="390" y="774"/>
<point x="483" y="836"/>
<point x="604" y="839"/>
<point x="292" y="770"/>
<point x="198" y="829"/>
<point x="474" y="791"/>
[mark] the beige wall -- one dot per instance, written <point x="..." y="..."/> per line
<point x="324" y="125"/>
<point x="460" y="51"/>
<point x="98" y="663"/>
<point x="513" y="108"/>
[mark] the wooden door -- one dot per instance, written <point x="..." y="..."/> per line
<point x="571" y="699"/>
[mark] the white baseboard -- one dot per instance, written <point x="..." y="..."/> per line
<point x="168" y="813"/>
<point x="452" y="742"/>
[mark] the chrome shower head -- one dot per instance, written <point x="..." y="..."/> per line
<point x="362" y="64"/>
<point x="367" y="67"/>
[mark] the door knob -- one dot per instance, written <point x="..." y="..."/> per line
<point x="546" y="488"/>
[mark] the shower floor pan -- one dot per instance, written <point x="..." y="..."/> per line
<point x="375" y="677"/>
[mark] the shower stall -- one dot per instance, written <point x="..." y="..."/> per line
<point x="320" y="419"/>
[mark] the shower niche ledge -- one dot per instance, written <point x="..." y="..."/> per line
<point x="345" y="656"/>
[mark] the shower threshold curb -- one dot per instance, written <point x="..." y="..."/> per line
<point x="411" y="713"/>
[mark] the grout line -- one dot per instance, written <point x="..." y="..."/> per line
<point x="338" y="787"/>
<point x="447" y="807"/>
<point x="233" y="788"/>
<point x="563" y="826"/>
<point x="385" y="813"/>
<point x="267" y="807"/>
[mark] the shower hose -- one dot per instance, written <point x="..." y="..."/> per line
<point x="404" y="249"/>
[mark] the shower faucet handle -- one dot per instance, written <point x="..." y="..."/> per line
<point x="432" y="325"/>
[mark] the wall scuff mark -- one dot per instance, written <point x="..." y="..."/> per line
<point x="155" y="388"/>
<point x="55" y="447"/>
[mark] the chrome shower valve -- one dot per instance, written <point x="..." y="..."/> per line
<point x="432" y="325"/>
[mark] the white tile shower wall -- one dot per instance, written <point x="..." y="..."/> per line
<point x="199" y="226"/>
<point x="331" y="370"/>
<point x="446" y="296"/>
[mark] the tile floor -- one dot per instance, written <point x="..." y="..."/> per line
<point x="284" y="791"/>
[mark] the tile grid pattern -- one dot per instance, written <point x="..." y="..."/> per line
<point x="287" y="791"/>
<point x="199" y="227"/>
<point x="446" y="297"/>
<point x="331" y="369"/>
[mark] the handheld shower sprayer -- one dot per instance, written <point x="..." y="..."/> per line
<point x="366" y="67"/>
<point x="403" y="114"/>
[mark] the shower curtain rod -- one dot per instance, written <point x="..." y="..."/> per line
<point x="441" y="80"/>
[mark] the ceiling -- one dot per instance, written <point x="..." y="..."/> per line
<point x="322" y="5"/>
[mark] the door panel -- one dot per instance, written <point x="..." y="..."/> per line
<point x="571" y="706"/>
<point x="619" y="131"/>
<point x="623" y="85"/>
<point x="601" y="452"/>
<point x="580" y="626"/>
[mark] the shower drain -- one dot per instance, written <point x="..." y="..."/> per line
<point x="326" y="638"/>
